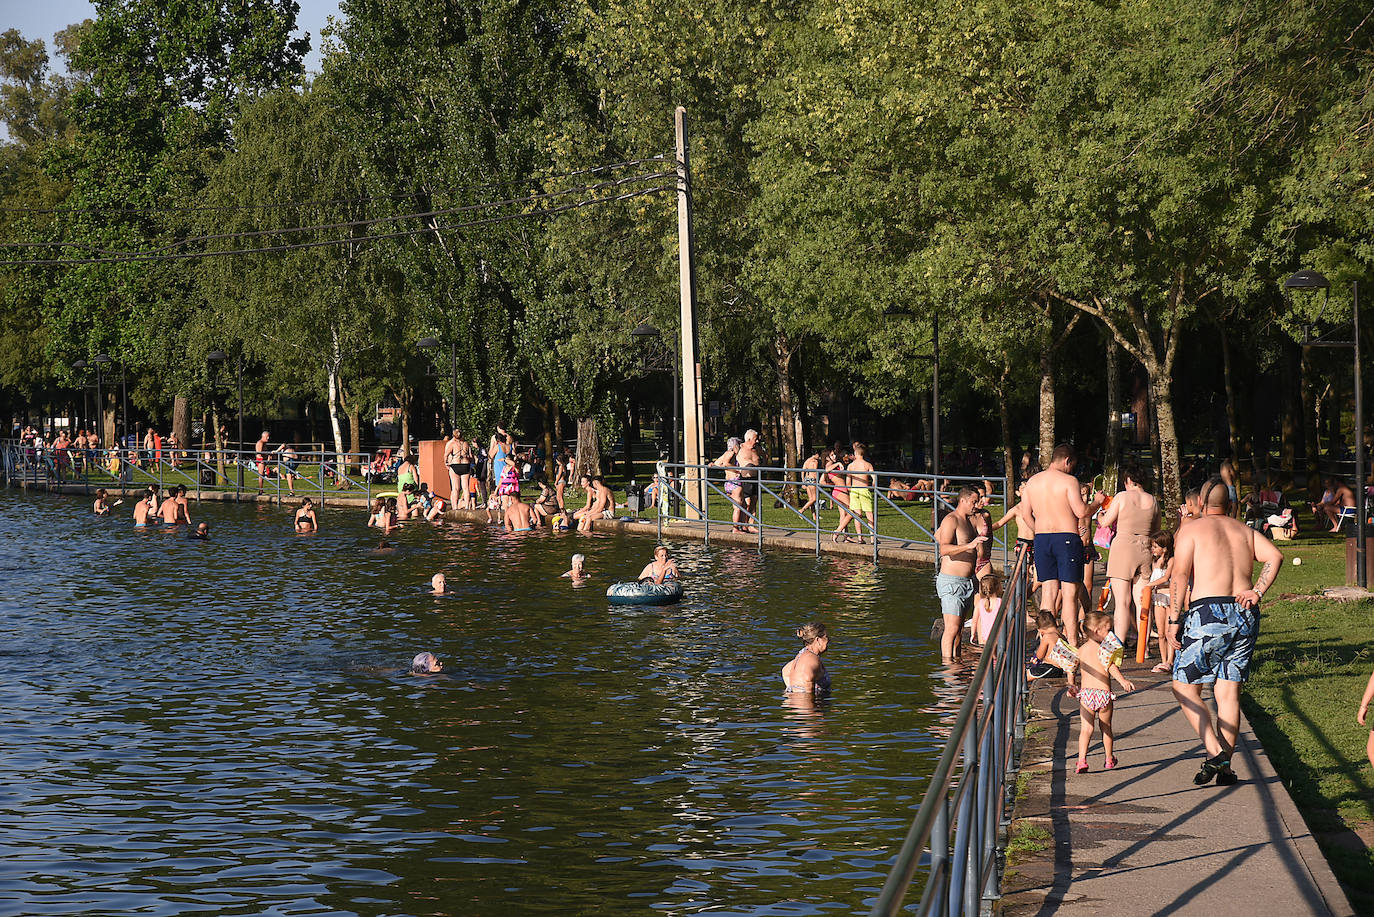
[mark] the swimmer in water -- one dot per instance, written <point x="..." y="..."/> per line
<point x="102" y="504"/>
<point x="200" y="533"/>
<point x="660" y="569"/>
<point x="145" y="512"/>
<point x="170" y="510"/>
<point x="425" y="664"/>
<point x="305" y="520"/>
<point x="578" y="572"/>
<point x="439" y="584"/>
<point x="806" y="673"/>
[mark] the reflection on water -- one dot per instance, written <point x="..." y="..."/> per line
<point x="231" y="727"/>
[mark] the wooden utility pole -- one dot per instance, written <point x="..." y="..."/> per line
<point x="692" y="424"/>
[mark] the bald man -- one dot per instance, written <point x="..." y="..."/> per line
<point x="1215" y="637"/>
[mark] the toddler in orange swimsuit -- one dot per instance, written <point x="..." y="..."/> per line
<point x="1099" y="658"/>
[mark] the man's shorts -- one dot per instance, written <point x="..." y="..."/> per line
<point x="1059" y="556"/>
<point x="956" y="594"/>
<point x="1218" y="639"/>
<point x="861" y="499"/>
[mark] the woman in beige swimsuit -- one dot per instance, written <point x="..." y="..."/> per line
<point x="1135" y="514"/>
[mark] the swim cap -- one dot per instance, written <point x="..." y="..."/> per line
<point x="425" y="662"/>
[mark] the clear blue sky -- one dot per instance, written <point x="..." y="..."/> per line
<point x="41" y="18"/>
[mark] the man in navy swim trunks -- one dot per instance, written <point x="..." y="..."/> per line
<point x="1215" y="636"/>
<point x="1055" y="505"/>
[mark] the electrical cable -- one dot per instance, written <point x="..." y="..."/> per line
<point x="351" y="224"/>
<point x="488" y="221"/>
<point x="661" y="157"/>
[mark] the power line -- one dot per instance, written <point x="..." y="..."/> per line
<point x="489" y="221"/>
<point x="349" y="224"/>
<point x="214" y="208"/>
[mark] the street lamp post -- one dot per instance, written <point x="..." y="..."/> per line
<point x="219" y="356"/>
<point x="431" y="343"/>
<point x="647" y="332"/>
<point x="1311" y="280"/>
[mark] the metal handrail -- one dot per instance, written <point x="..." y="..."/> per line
<point x="964" y="824"/>
<point x="199" y="469"/>
<point x="677" y="480"/>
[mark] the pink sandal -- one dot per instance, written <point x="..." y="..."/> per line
<point x="1111" y="763"/>
<point x="1082" y="766"/>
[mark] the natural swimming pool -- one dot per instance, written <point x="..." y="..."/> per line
<point x="229" y="727"/>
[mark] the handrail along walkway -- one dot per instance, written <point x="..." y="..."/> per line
<point x="964" y="824"/>
<point x="680" y="482"/>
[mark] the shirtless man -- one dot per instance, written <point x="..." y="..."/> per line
<point x="1055" y="508"/>
<point x="957" y="545"/>
<point x="1215" y="636"/>
<point x="749" y="456"/>
<point x="599" y="502"/>
<point x="519" y="515"/>
<point x="145" y="510"/>
<point x="170" y="511"/>
<point x="260" y="458"/>
<point x="183" y="505"/>
<point x="1340" y="509"/>
<point x="862" y="483"/>
<point x="660" y="568"/>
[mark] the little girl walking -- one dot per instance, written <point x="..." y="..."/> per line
<point x="1099" y="657"/>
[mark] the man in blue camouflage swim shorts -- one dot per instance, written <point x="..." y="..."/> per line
<point x="1215" y="637"/>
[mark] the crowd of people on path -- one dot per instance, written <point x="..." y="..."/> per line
<point x="1195" y="586"/>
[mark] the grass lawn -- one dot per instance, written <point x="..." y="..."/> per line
<point x="1313" y="660"/>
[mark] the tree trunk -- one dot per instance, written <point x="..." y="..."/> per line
<point x="1008" y="452"/>
<point x="355" y="434"/>
<point x="547" y="408"/>
<point x="1291" y="411"/>
<point x="789" y="423"/>
<point x="1046" y="398"/>
<point x="334" y="406"/>
<point x="219" y="443"/>
<point x="1162" y="396"/>
<point x="1309" y="428"/>
<point x="405" y="398"/>
<point x="1112" y="459"/>
<point x="1229" y="383"/>
<point x="588" y="460"/>
<point x="181" y="420"/>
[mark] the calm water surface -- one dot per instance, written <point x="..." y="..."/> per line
<point x="229" y="727"/>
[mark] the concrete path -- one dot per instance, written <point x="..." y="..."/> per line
<point x="1142" y="839"/>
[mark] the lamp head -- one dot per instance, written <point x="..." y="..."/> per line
<point x="644" y="331"/>
<point x="427" y="343"/>
<point x="101" y="358"/>
<point x="1307" y="280"/>
<point x="79" y="364"/>
<point x="216" y="356"/>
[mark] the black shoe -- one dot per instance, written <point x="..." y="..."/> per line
<point x="1210" y="768"/>
<point x="1226" y="776"/>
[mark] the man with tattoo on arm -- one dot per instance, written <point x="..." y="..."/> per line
<point x="1215" y="636"/>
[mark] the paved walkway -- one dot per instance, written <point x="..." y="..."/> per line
<point x="1142" y="839"/>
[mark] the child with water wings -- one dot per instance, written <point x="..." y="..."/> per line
<point x="986" y="604"/>
<point x="1096" y="669"/>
